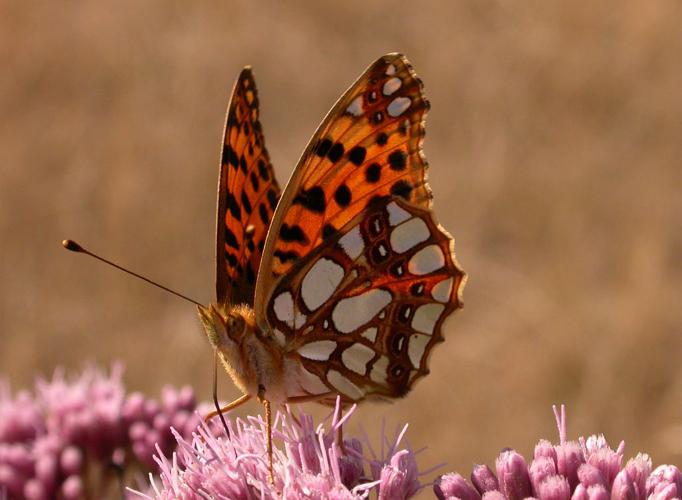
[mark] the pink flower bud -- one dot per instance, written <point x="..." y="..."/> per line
<point x="454" y="486"/>
<point x="71" y="460"/>
<point x="665" y="482"/>
<point x="34" y="489"/>
<point x="493" y="495"/>
<point x="46" y="470"/>
<point x="484" y="479"/>
<point x="589" y="475"/>
<point x="569" y="459"/>
<point x="554" y="488"/>
<point x="512" y="473"/>
<point x="72" y="488"/>
<point x="545" y="449"/>
<point x="594" y="492"/>
<point x="399" y="477"/>
<point x="623" y="487"/>
<point x="608" y="462"/>
<point x="186" y="398"/>
<point x="540" y="469"/>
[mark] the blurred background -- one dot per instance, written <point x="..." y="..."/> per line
<point x="555" y="145"/>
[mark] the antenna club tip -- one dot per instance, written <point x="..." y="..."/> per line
<point x="72" y="245"/>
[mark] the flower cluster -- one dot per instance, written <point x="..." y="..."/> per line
<point x="311" y="463"/>
<point x="50" y="437"/>
<point x="587" y="469"/>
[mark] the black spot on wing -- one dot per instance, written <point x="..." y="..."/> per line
<point x="231" y="259"/>
<point x="342" y="195"/>
<point x="246" y="203"/>
<point x="263" y="170"/>
<point x="231" y="239"/>
<point x="397" y="160"/>
<point x="285" y="257"/>
<point x="232" y="206"/>
<point x="373" y="173"/>
<point x="357" y="155"/>
<point x="254" y="181"/>
<point x="292" y="233"/>
<point x="229" y="156"/>
<point x="336" y="152"/>
<point x="312" y="199"/>
<point x="401" y="188"/>
<point x="272" y="199"/>
<point x="264" y="215"/>
<point x="323" y="148"/>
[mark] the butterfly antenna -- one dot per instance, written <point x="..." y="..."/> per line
<point x="75" y="247"/>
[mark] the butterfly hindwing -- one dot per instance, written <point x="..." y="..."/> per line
<point x="247" y="196"/>
<point x="364" y="310"/>
<point x="357" y="277"/>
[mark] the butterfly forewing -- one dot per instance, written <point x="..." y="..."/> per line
<point x="247" y="196"/>
<point x="357" y="277"/>
<point x="369" y="145"/>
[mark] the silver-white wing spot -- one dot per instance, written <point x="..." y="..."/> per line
<point x="426" y="316"/>
<point x="390" y="71"/>
<point x="353" y="312"/>
<point x="352" y="243"/>
<point x="317" y="351"/>
<point x="441" y="291"/>
<point x="284" y="308"/>
<point x="391" y="85"/>
<point x="320" y="282"/>
<point x="396" y="215"/>
<point x="299" y="319"/>
<point x="343" y="385"/>
<point x="312" y="383"/>
<point x="379" y="370"/>
<point x="426" y="260"/>
<point x="370" y="334"/>
<point x="398" y="106"/>
<point x="415" y="348"/>
<point x="355" y="107"/>
<point x="409" y="234"/>
<point x="356" y="357"/>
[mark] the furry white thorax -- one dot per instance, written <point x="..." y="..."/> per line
<point x="253" y="360"/>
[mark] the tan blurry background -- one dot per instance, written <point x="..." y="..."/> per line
<point x="555" y="145"/>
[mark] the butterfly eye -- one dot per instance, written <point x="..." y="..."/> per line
<point x="235" y="324"/>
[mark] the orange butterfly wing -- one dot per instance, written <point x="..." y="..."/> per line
<point x="368" y="145"/>
<point x="247" y="196"/>
<point x="357" y="277"/>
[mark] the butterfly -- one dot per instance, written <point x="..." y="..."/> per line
<point x="338" y="284"/>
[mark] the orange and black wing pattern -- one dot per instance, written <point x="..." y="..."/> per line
<point x="247" y="196"/>
<point x="369" y="146"/>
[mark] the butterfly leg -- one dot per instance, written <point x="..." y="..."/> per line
<point x="231" y="406"/>
<point x="268" y="429"/>
<point x="294" y="400"/>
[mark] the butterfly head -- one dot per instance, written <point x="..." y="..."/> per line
<point x="226" y="325"/>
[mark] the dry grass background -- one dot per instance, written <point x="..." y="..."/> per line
<point x="555" y="144"/>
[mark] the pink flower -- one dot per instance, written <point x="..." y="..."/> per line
<point x="309" y="463"/>
<point x="586" y="469"/>
<point x="49" y="438"/>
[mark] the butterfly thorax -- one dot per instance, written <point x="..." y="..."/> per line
<point x="252" y="358"/>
